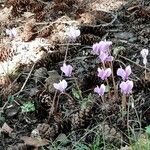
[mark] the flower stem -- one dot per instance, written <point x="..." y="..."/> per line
<point x="103" y="99"/>
<point x="124" y="101"/>
<point x="145" y="73"/>
<point x="75" y="80"/>
<point x="107" y="82"/>
<point x="114" y="83"/>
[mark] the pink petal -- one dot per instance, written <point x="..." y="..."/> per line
<point x="123" y="87"/>
<point x="122" y="73"/>
<point x="128" y="70"/>
<point x="103" y="57"/>
<point x="102" y="89"/>
<point x="108" y="72"/>
<point x="130" y="86"/>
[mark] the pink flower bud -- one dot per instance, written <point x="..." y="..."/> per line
<point x="124" y="73"/>
<point x="61" y="86"/>
<point x="67" y="69"/>
<point x="100" y="90"/>
<point x="104" y="74"/>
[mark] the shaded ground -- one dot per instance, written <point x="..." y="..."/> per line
<point x="38" y="52"/>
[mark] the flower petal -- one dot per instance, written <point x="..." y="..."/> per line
<point x="144" y="53"/>
<point x="121" y="73"/>
<point x="128" y="70"/>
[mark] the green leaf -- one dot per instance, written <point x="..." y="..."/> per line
<point x="118" y="50"/>
<point x="148" y="130"/>
<point x="76" y="93"/>
<point x="107" y="88"/>
<point x="28" y="107"/>
<point x="62" y="138"/>
<point x="81" y="146"/>
<point x="10" y="99"/>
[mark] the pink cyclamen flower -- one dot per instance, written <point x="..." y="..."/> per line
<point x="73" y="33"/>
<point x="67" y="69"/>
<point x="144" y="54"/>
<point x="126" y="87"/>
<point x="100" y="90"/>
<point x="104" y="57"/>
<point x="102" y="46"/>
<point x="104" y="74"/>
<point x="61" y="86"/>
<point x="124" y="73"/>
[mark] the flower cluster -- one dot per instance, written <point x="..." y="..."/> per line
<point x="102" y="49"/>
<point x="62" y="85"/>
<point x="125" y="86"/>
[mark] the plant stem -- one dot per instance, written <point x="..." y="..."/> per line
<point x="145" y="73"/>
<point x="124" y="101"/>
<point x="113" y="79"/>
<point x="75" y="80"/>
<point x="103" y="99"/>
<point x="107" y="82"/>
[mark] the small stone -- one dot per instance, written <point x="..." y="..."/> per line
<point x="12" y="111"/>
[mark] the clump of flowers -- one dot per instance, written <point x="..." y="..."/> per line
<point x="102" y="46"/>
<point x="125" y="86"/>
<point x="102" y="49"/>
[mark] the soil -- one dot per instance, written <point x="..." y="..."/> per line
<point x="33" y="115"/>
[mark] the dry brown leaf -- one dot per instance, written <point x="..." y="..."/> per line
<point x="5" y="14"/>
<point x="28" y="14"/>
<point x="6" y="128"/>
<point x="34" y="141"/>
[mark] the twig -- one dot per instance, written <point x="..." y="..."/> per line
<point x="25" y="81"/>
<point x="134" y="63"/>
